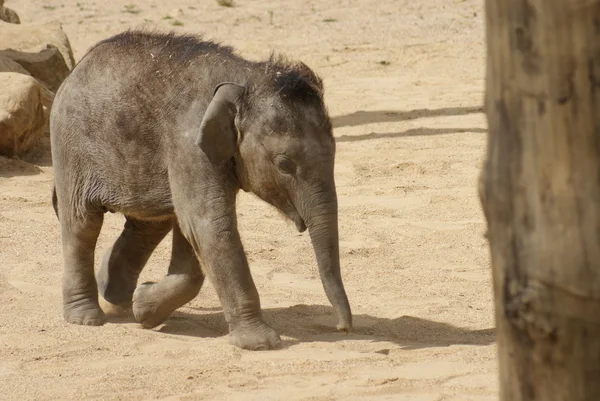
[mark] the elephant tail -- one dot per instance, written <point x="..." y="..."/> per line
<point x="55" y="201"/>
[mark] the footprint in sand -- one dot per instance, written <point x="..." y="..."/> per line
<point x="394" y="203"/>
<point x="444" y="225"/>
<point x="301" y="282"/>
<point x="429" y="370"/>
<point x="483" y="381"/>
<point x="397" y="397"/>
<point x="311" y="354"/>
<point x="359" y="245"/>
<point x="32" y="288"/>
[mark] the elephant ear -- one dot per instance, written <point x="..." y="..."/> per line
<point x="218" y="134"/>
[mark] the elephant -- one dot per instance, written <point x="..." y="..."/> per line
<point x="165" y="129"/>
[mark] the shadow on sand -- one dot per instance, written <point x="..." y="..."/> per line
<point x="407" y="133"/>
<point x="316" y="323"/>
<point x="386" y="116"/>
<point x="29" y="164"/>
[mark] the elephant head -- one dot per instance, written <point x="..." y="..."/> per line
<point x="276" y="130"/>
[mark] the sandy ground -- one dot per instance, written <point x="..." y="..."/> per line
<point x="404" y="85"/>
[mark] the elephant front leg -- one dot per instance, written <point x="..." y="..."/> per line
<point x="217" y="241"/>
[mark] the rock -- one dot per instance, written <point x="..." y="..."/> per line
<point x="47" y="66"/>
<point x="7" y="65"/>
<point x="8" y="15"/>
<point x="34" y="60"/>
<point x="22" y="116"/>
<point x="33" y="38"/>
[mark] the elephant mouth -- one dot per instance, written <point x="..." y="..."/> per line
<point x="296" y="218"/>
<point x="300" y="225"/>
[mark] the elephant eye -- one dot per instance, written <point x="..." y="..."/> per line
<point x="284" y="165"/>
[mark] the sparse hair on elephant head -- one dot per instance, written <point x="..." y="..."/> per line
<point x="291" y="87"/>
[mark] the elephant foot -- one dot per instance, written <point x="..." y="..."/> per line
<point x="146" y="306"/>
<point x="84" y="312"/>
<point x="153" y="303"/>
<point x="112" y="310"/>
<point x="257" y="337"/>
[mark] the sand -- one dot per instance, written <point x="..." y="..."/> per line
<point x="404" y="86"/>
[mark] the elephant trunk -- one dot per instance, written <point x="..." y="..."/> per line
<point x="322" y="223"/>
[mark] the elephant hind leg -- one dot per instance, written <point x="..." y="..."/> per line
<point x="153" y="303"/>
<point x="124" y="260"/>
<point x="79" y="235"/>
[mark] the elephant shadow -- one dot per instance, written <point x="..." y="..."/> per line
<point x="316" y="323"/>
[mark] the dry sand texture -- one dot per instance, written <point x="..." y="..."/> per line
<point x="404" y="85"/>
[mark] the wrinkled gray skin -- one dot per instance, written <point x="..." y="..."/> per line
<point x="166" y="129"/>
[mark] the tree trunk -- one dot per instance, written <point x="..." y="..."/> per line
<point x="540" y="191"/>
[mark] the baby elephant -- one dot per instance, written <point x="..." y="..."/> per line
<point x="165" y="129"/>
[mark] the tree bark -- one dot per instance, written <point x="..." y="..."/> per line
<point x="540" y="192"/>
